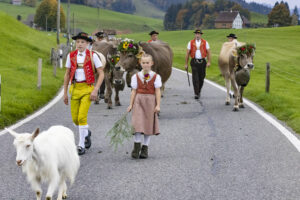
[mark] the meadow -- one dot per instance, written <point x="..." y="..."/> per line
<point x="278" y="46"/>
<point x="86" y="18"/>
<point x="21" y="47"/>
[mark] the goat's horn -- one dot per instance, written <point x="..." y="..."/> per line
<point x="13" y="133"/>
<point x="36" y="133"/>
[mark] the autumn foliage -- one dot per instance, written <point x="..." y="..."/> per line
<point x="47" y="11"/>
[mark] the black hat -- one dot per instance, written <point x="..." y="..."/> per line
<point x="83" y="36"/>
<point x="198" y="31"/>
<point x="232" y="36"/>
<point x="153" y="32"/>
<point x="100" y="34"/>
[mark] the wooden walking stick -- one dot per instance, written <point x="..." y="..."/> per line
<point x="187" y="73"/>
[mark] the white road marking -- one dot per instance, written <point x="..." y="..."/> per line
<point x="36" y="114"/>
<point x="290" y="136"/>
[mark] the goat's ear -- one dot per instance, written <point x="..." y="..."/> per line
<point x="35" y="134"/>
<point x="13" y="133"/>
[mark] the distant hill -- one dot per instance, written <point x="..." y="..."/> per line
<point x="86" y="18"/>
<point x="255" y="7"/>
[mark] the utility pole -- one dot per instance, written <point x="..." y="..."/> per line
<point x="46" y="23"/>
<point x="58" y="22"/>
<point x="98" y="17"/>
<point x="68" y="25"/>
<point x="73" y="24"/>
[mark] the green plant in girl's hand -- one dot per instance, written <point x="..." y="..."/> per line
<point x="120" y="131"/>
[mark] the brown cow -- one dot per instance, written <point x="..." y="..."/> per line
<point x="116" y="81"/>
<point x="162" y="57"/>
<point x="112" y="75"/>
<point x="235" y="63"/>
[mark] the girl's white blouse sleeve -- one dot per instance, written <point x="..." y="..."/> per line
<point x="157" y="82"/>
<point x="133" y="82"/>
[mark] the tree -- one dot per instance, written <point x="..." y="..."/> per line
<point x="244" y="12"/>
<point x="31" y="3"/>
<point x="294" y="20"/>
<point x="47" y="11"/>
<point x="279" y="16"/>
<point x="296" y="12"/>
<point x="170" y="17"/>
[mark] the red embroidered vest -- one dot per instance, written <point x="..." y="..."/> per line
<point x="145" y="88"/>
<point x="194" y="48"/>
<point x="87" y="66"/>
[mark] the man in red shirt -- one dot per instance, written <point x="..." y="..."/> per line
<point x="199" y="50"/>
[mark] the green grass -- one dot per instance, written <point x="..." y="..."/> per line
<point x="147" y="9"/>
<point x="279" y="46"/>
<point x="86" y="18"/>
<point x="258" y="18"/>
<point x="21" y="47"/>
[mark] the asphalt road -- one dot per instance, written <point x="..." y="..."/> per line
<point x="205" y="151"/>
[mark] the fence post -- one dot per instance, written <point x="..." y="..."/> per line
<point x="268" y="77"/>
<point x="52" y="56"/>
<point x="0" y="93"/>
<point x="60" y="56"/>
<point x="39" y="83"/>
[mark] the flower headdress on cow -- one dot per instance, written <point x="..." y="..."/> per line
<point x="113" y="59"/>
<point x="128" y="46"/>
<point x="246" y="49"/>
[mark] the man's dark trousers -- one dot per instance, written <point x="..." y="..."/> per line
<point x="198" y="74"/>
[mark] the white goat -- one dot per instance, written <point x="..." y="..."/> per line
<point x="50" y="157"/>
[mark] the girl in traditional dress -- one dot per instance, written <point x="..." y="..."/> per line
<point x="145" y="105"/>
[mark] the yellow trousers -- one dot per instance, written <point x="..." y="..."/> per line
<point x="80" y="102"/>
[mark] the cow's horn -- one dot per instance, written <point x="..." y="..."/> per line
<point x="140" y="53"/>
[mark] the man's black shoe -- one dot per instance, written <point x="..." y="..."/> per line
<point x="88" y="141"/>
<point x="80" y="150"/>
<point x="196" y="96"/>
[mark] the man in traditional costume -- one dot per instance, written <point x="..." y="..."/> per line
<point x="154" y="36"/>
<point x="198" y="49"/>
<point x="81" y="65"/>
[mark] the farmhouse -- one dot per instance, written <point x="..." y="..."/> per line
<point x="231" y="19"/>
<point x="16" y="2"/>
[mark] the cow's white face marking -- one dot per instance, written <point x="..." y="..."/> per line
<point x="246" y="61"/>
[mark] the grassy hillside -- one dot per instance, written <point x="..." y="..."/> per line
<point x="279" y="46"/>
<point x="258" y="18"/>
<point x="86" y="18"/>
<point x="20" y="49"/>
<point x="147" y="9"/>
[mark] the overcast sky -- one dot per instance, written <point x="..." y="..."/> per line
<point x="292" y="3"/>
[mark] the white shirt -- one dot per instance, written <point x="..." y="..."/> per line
<point x="79" y="73"/>
<point x="198" y="52"/>
<point x="157" y="82"/>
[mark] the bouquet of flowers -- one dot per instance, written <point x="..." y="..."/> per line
<point x="120" y="131"/>
<point x="246" y="49"/>
<point x="128" y="46"/>
<point x="114" y="60"/>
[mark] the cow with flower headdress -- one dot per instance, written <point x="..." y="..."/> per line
<point x="235" y="63"/>
<point x="131" y="53"/>
<point x="113" y="75"/>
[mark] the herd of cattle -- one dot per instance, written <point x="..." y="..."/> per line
<point x="235" y="65"/>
